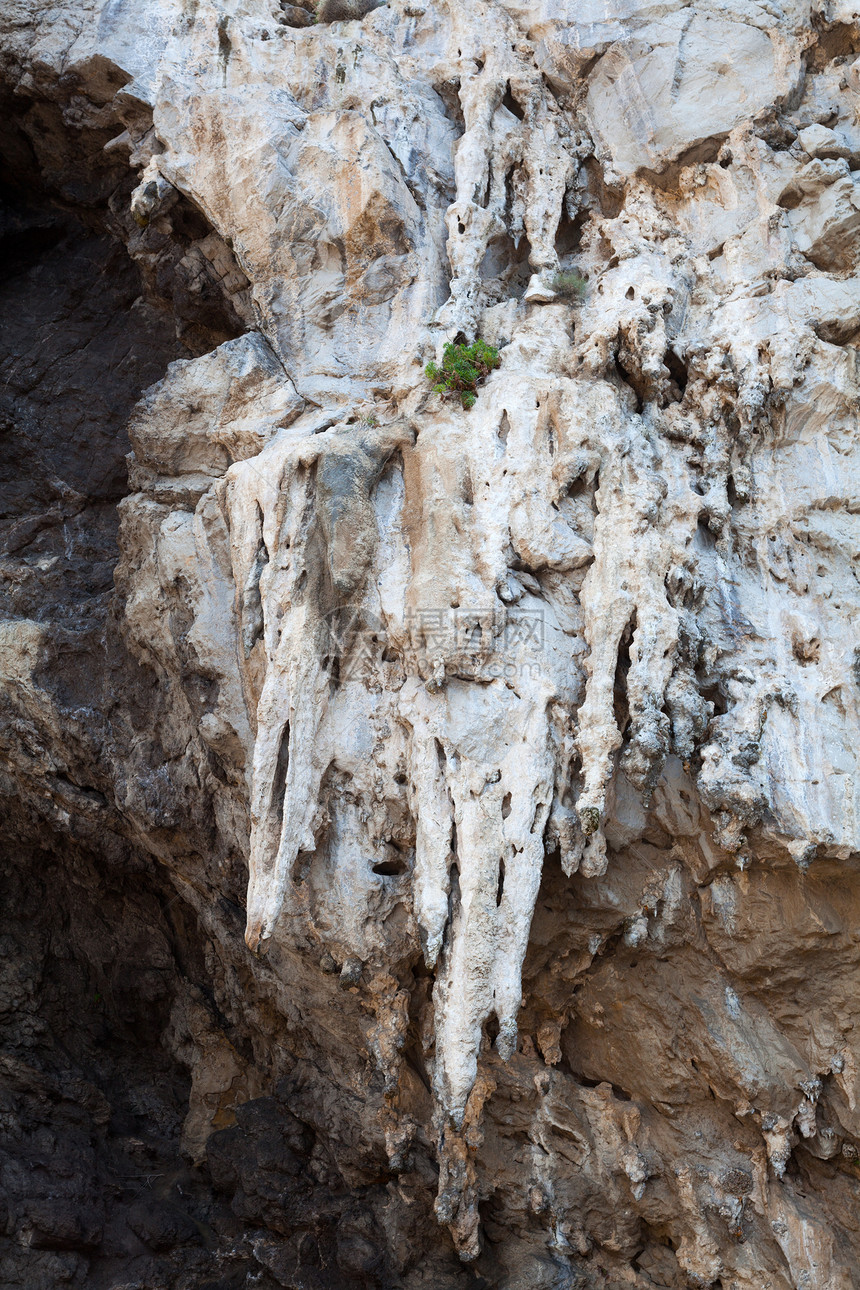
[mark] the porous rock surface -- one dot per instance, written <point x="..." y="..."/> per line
<point x="430" y="835"/>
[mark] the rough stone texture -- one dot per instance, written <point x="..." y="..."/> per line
<point x="431" y="835"/>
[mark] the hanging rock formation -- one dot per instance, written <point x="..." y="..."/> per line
<point x="471" y="796"/>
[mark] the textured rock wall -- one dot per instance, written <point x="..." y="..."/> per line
<point x="528" y="730"/>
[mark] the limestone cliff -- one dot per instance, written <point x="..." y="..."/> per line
<point x="431" y="833"/>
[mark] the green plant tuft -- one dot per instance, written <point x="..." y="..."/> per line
<point x="462" y="367"/>
<point x="570" y="283"/>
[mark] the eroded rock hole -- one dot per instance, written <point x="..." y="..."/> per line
<point x="503" y="260"/>
<point x="622" y="668"/>
<point x="713" y="694"/>
<point x="568" y="236"/>
<point x="509" y="102"/>
<point x="609" y="200"/>
<point x="704" y="540"/>
<point x="677" y="369"/>
<point x="839" y="41"/>
<point x="279" y="779"/>
<point x="790" y="199"/>
<point x="631" y="379"/>
<point x="392" y="866"/>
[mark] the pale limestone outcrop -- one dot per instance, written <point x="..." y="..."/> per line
<point x="596" y="633"/>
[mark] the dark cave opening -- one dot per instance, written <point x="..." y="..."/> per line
<point x="93" y="1103"/>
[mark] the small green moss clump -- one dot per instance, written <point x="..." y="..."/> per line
<point x="463" y="366"/>
<point x="570" y="283"/>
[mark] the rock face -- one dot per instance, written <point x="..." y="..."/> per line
<point x="431" y="835"/>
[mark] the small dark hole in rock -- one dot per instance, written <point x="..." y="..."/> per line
<point x="393" y="867"/>
<point x="512" y="105"/>
<point x="790" y="199"/>
<point x="677" y="369"/>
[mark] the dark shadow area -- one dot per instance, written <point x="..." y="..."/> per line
<point x="92" y="1103"/>
<point x="78" y="344"/>
<point x="108" y="1004"/>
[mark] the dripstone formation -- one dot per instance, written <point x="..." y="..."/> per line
<point x="430" y="834"/>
